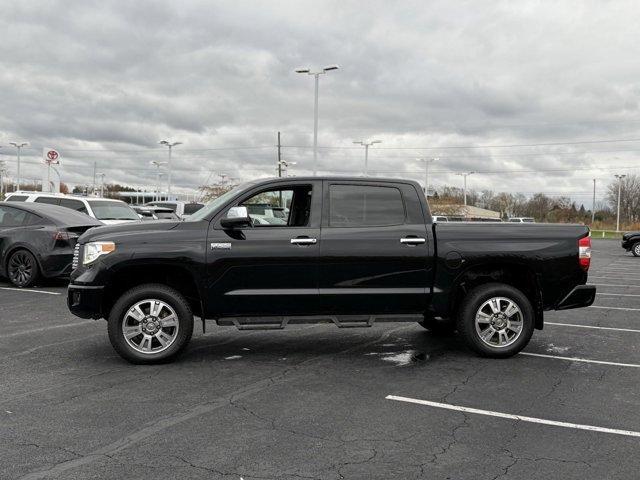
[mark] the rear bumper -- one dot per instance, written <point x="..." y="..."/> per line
<point x="85" y="301"/>
<point x="580" y="296"/>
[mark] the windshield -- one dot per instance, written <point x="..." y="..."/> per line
<point x="216" y="203"/>
<point x="113" y="211"/>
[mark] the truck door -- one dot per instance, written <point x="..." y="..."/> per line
<point x="272" y="267"/>
<point x="375" y="250"/>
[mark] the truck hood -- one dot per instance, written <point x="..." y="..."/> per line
<point x="128" y="231"/>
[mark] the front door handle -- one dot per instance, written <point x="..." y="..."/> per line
<point x="412" y="240"/>
<point x="303" y="241"/>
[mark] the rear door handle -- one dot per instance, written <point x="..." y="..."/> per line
<point x="412" y="240"/>
<point x="303" y="241"/>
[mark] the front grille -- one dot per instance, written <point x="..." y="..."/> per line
<point x="76" y="256"/>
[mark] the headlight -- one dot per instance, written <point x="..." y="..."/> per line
<point x="93" y="250"/>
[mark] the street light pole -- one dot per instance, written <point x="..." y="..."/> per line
<point x="102" y="185"/>
<point x="619" y="177"/>
<point x="366" y="144"/>
<point x="19" y="147"/>
<point x="465" y="175"/>
<point x="427" y="161"/>
<point x="158" y="165"/>
<point x="316" y="74"/>
<point x="593" y="208"/>
<point x="170" y="145"/>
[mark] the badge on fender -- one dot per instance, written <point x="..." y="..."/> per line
<point x="221" y="246"/>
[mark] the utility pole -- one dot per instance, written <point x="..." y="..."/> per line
<point x="169" y="144"/>
<point x="2" y="173"/>
<point x="279" y="161"/>
<point x="593" y="208"/>
<point x="93" y="188"/>
<point x="366" y="144"/>
<point x="427" y="161"/>
<point x="19" y="146"/>
<point x="465" y="175"/>
<point x="619" y="177"/>
<point x="102" y="185"/>
<point x="316" y="74"/>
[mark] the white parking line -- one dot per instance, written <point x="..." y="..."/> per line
<point x="619" y="294"/>
<point x="615" y="278"/>
<point x="490" y="413"/>
<point x="43" y="329"/>
<point x="584" y="360"/>
<point x="29" y="290"/>
<point x="611" y="285"/>
<point x="592" y="326"/>
<point x="616" y="308"/>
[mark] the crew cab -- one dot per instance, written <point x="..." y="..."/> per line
<point x="352" y="251"/>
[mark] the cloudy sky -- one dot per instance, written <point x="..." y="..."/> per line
<point x="534" y="96"/>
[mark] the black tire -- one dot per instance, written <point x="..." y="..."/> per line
<point x="635" y="249"/>
<point x="438" y="326"/>
<point x="150" y="292"/>
<point x="22" y="268"/>
<point x="474" y="300"/>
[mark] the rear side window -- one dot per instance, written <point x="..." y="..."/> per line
<point x="48" y="200"/>
<point x="13" y="217"/>
<point x="17" y="198"/>
<point x="73" y="205"/>
<point x="365" y="206"/>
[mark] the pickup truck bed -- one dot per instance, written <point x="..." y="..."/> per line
<point x="346" y="250"/>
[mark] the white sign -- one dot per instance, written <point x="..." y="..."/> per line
<point x="50" y="174"/>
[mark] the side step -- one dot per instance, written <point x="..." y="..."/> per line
<point x="341" y="321"/>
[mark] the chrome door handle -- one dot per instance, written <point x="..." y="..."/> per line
<point x="303" y="241"/>
<point x="412" y="240"/>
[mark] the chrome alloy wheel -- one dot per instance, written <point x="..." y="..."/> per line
<point x="499" y="322"/>
<point x="150" y="326"/>
<point x="636" y="249"/>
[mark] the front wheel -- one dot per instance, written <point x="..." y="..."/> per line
<point x="496" y="320"/>
<point x="636" y="249"/>
<point x="150" y="324"/>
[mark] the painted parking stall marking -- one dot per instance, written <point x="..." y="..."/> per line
<point x="510" y="416"/>
<point x="583" y="360"/>
<point x="30" y="290"/>
<point x="592" y="327"/>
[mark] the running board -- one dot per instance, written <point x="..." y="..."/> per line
<point x="341" y="321"/>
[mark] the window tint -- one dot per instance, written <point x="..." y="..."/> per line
<point x="48" y="200"/>
<point x="281" y="207"/>
<point x="115" y="210"/>
<point x="13" y="217"/>
<point x="73" y="204"/>
<point x="365" y="206"/>
<point x="17" y="198"/>
<point x="167" y="216"/>
<point x="191" y="208"/>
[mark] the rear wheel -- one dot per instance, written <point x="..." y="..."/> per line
<point x="636" y="249"/>
<point x="496" y="320"/>
<point x="22" y="268"/>
<point x="150" y="324"/>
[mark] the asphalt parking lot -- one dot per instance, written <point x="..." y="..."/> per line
<point x="318" y="402"/>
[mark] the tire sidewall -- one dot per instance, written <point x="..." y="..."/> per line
<point x="636" y="249"/>
<point x="35" y="268"/>
<point x="135" y="295"/>
<point x="479" y="295"/>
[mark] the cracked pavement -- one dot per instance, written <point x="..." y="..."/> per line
<point x="309" y="402"/>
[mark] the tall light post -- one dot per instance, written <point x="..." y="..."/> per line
<point x="366" y="144"/>
<point x="170" y="145"/>
<point x="101" y="184"/>
<point x="427" y="161"/>
<point x="3" y="171"/>
<point x="465" y="175"/>
<point x="619" y="177"/>
<point x="19" y="146"/>
<point x="158" y="174"/>
<point x="316" y="74"/>
<point x="593" y="207"/>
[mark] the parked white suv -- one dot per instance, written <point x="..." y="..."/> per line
<point x="108" y="211"/>
<point x="182" y="209"/>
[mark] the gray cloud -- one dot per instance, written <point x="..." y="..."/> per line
<point x="104" y="81"/>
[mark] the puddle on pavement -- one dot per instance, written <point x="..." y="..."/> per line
<point x="553" y="349"/>
<point x="401" y="359"/>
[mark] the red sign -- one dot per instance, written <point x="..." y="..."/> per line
<point x="52" y="155"/>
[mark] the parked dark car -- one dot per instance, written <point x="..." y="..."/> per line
<point x="350" y="251"/>
<point x="155" y="213"/>
<point x="37" y="240"/>
<point x="631" y="243"/>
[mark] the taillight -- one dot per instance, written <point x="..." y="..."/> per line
<point x="584" y="252"/>
<point x="60" y="236"/>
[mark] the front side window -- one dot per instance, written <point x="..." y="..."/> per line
<point x="113" y="210"/>
<point x="365" y="206"/>
<point x="284" y="207"/>
<point x="191" y="208"/>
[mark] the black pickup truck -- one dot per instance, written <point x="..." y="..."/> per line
<point x="631" y="243"/>
<point x="350" y="251"/>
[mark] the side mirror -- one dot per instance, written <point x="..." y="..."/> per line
<point x="237" y="217"/>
